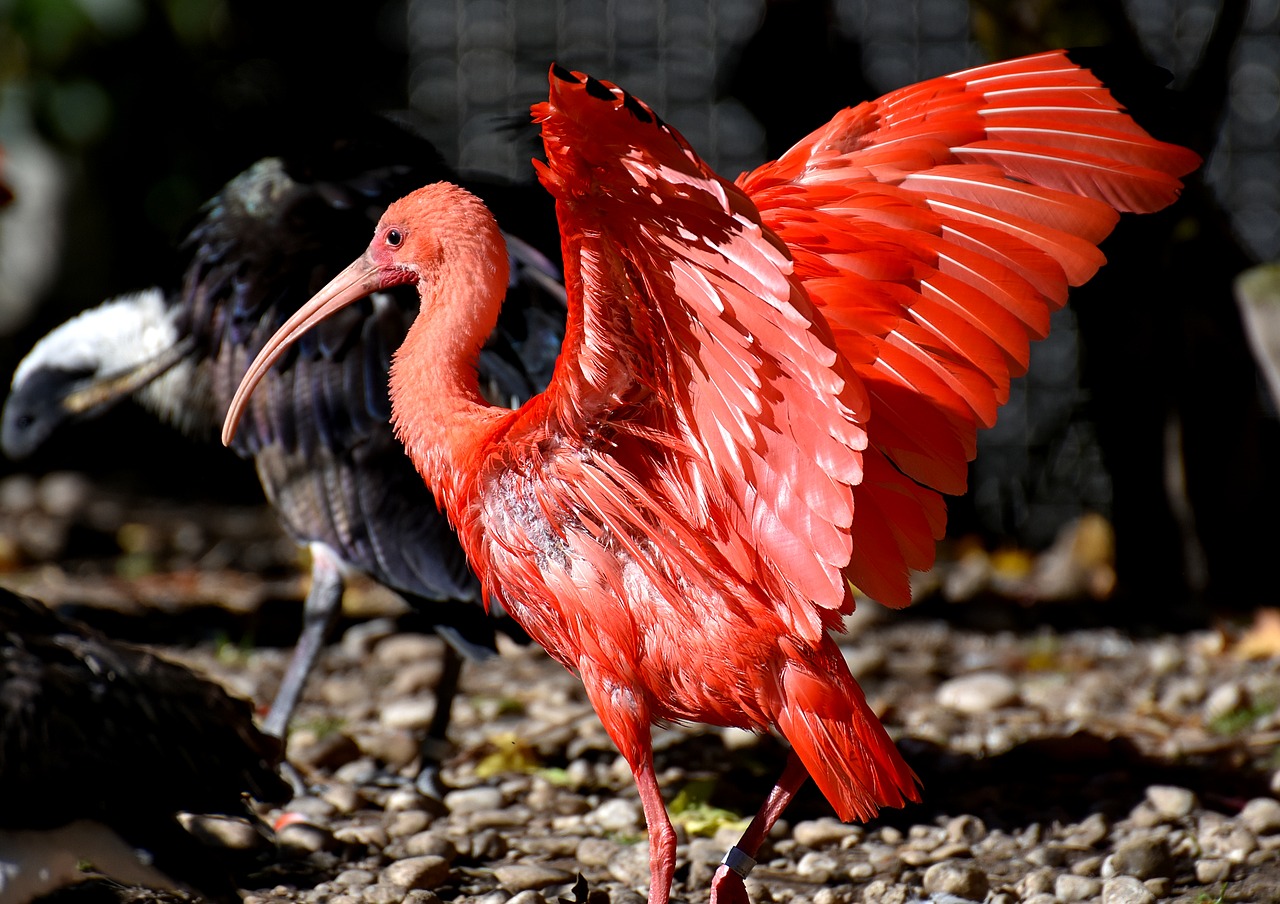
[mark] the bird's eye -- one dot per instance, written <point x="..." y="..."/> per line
<point x="394" y="237"/>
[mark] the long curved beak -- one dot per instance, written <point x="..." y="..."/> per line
<point x="359" y="279"/>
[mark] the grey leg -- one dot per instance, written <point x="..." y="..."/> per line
<point x="319" y="614"/>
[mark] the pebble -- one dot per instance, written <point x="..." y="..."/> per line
<point x="403" y="649"/>
<point x="63" y="493"/>
<point x="304" y="837"/>
<point x="1050" y="855"/>
<point x="421" y="896"/>
<point x="952" y="850"/>
<point x="382" y="893"/>
<point x="353" y="878"/>
<point x="1221" y="838"/>
<point x="473" y="800"/>
<point x="487" y="845"/>
<point x="343" y="798"/>
<point x="816" y="867"/>
<point x="829" y="895"/>
<point x="1210" y="871"/>
<point x="362" y="771"/>
<point x="397" y="747"/>
<point x="232" y="833"/>
<point x="630" y="865"/>
<point x="528" y="896"/>
<point x="1092" y="831"/>
<point x="1087" y="866"/>
<point x="1069" y="887"/>
<point x="517" y="877"/>
<point x="1140" y="858"/>
<point x="1262" y="816"/>
<point x="417" y="872"/>
<point x="411" y="713"/>
<point x="1165" y="658"/>
<point x="415" y="678"/>
<point x="977" y="693"/>
<point x="595" y="851"/>
<point x="864" y="661"/>
<point x="967" y="829"/>
<point x="1160" y="886"/>
<point x="430" y="843"/>
<point x="817" y="833"/>
<point x="322" y="753"/>
<point x="617" y="815"/>
<point x="1171" y="802"/>
<point x="361" y="638"/>
<point x="406" y="822"/>
<point x="1126" y="890"/>
<point x="1223" y="700"/>
<point x="956" y="877"/>
<point x="1037" y="882"/>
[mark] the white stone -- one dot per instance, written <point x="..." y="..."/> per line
<point x="978" y="693"/>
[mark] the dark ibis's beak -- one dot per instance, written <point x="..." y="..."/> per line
<point x="363" y="277"/>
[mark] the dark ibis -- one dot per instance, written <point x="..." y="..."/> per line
<point x="319" y="434"/>
<point x="102" y="746"/>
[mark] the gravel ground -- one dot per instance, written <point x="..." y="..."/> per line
<point x="1059" y="764"/>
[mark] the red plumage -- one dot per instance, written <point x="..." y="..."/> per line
<point x="764" y="388"/>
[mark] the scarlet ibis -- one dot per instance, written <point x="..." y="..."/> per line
<point x="102" y="746"/>
<point x="321" y="437"/>
<point x="764" y="388"/>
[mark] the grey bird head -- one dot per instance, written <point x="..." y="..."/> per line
<point x="86" y="365"/>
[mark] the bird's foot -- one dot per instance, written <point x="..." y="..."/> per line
<point x="429" y="783"/>
<point x="728" y="885"/>
<point x="290" y="774"/>
<point x="434" y="751"/>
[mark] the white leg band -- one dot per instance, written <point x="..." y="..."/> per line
<point x="738" y="861"/>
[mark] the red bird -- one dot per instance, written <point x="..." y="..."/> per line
<point x="763" y="390"/>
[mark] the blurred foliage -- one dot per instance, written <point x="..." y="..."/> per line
<point x="692" y="809"/>
<point x="509" y="753"/>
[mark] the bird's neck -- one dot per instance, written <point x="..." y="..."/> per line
<point x="439" y="413"/>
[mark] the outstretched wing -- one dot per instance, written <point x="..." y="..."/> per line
<point x="693" y="336"/>
<point x="936" y="229"/>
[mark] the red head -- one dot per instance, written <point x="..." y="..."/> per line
<point x="438" y="229"/>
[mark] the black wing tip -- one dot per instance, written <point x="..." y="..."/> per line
<point x="564" y="74"/>
<point x="637" y="109"/>
<point x="1141" y="87"/>
<point x="599" y="89"/>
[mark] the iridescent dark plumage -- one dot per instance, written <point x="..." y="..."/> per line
<point x="104" y="734"/>
<point x="319" y="434"/>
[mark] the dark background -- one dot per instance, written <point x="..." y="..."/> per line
<point x="1151" y="413"/>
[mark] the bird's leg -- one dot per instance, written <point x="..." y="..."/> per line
<point x="627" y="722"/>
<point x="435" y="744"/>
<point x="319" y="613"/>
<point x="727" y="885"/>
<point x="662" y="837"/>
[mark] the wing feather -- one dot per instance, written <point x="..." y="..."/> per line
<point x="695" y="339"/>
<point x="750" y="359"/>
<point x="936" y="229"/>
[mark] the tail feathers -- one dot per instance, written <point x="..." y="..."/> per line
<point x="825" y="717"/>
